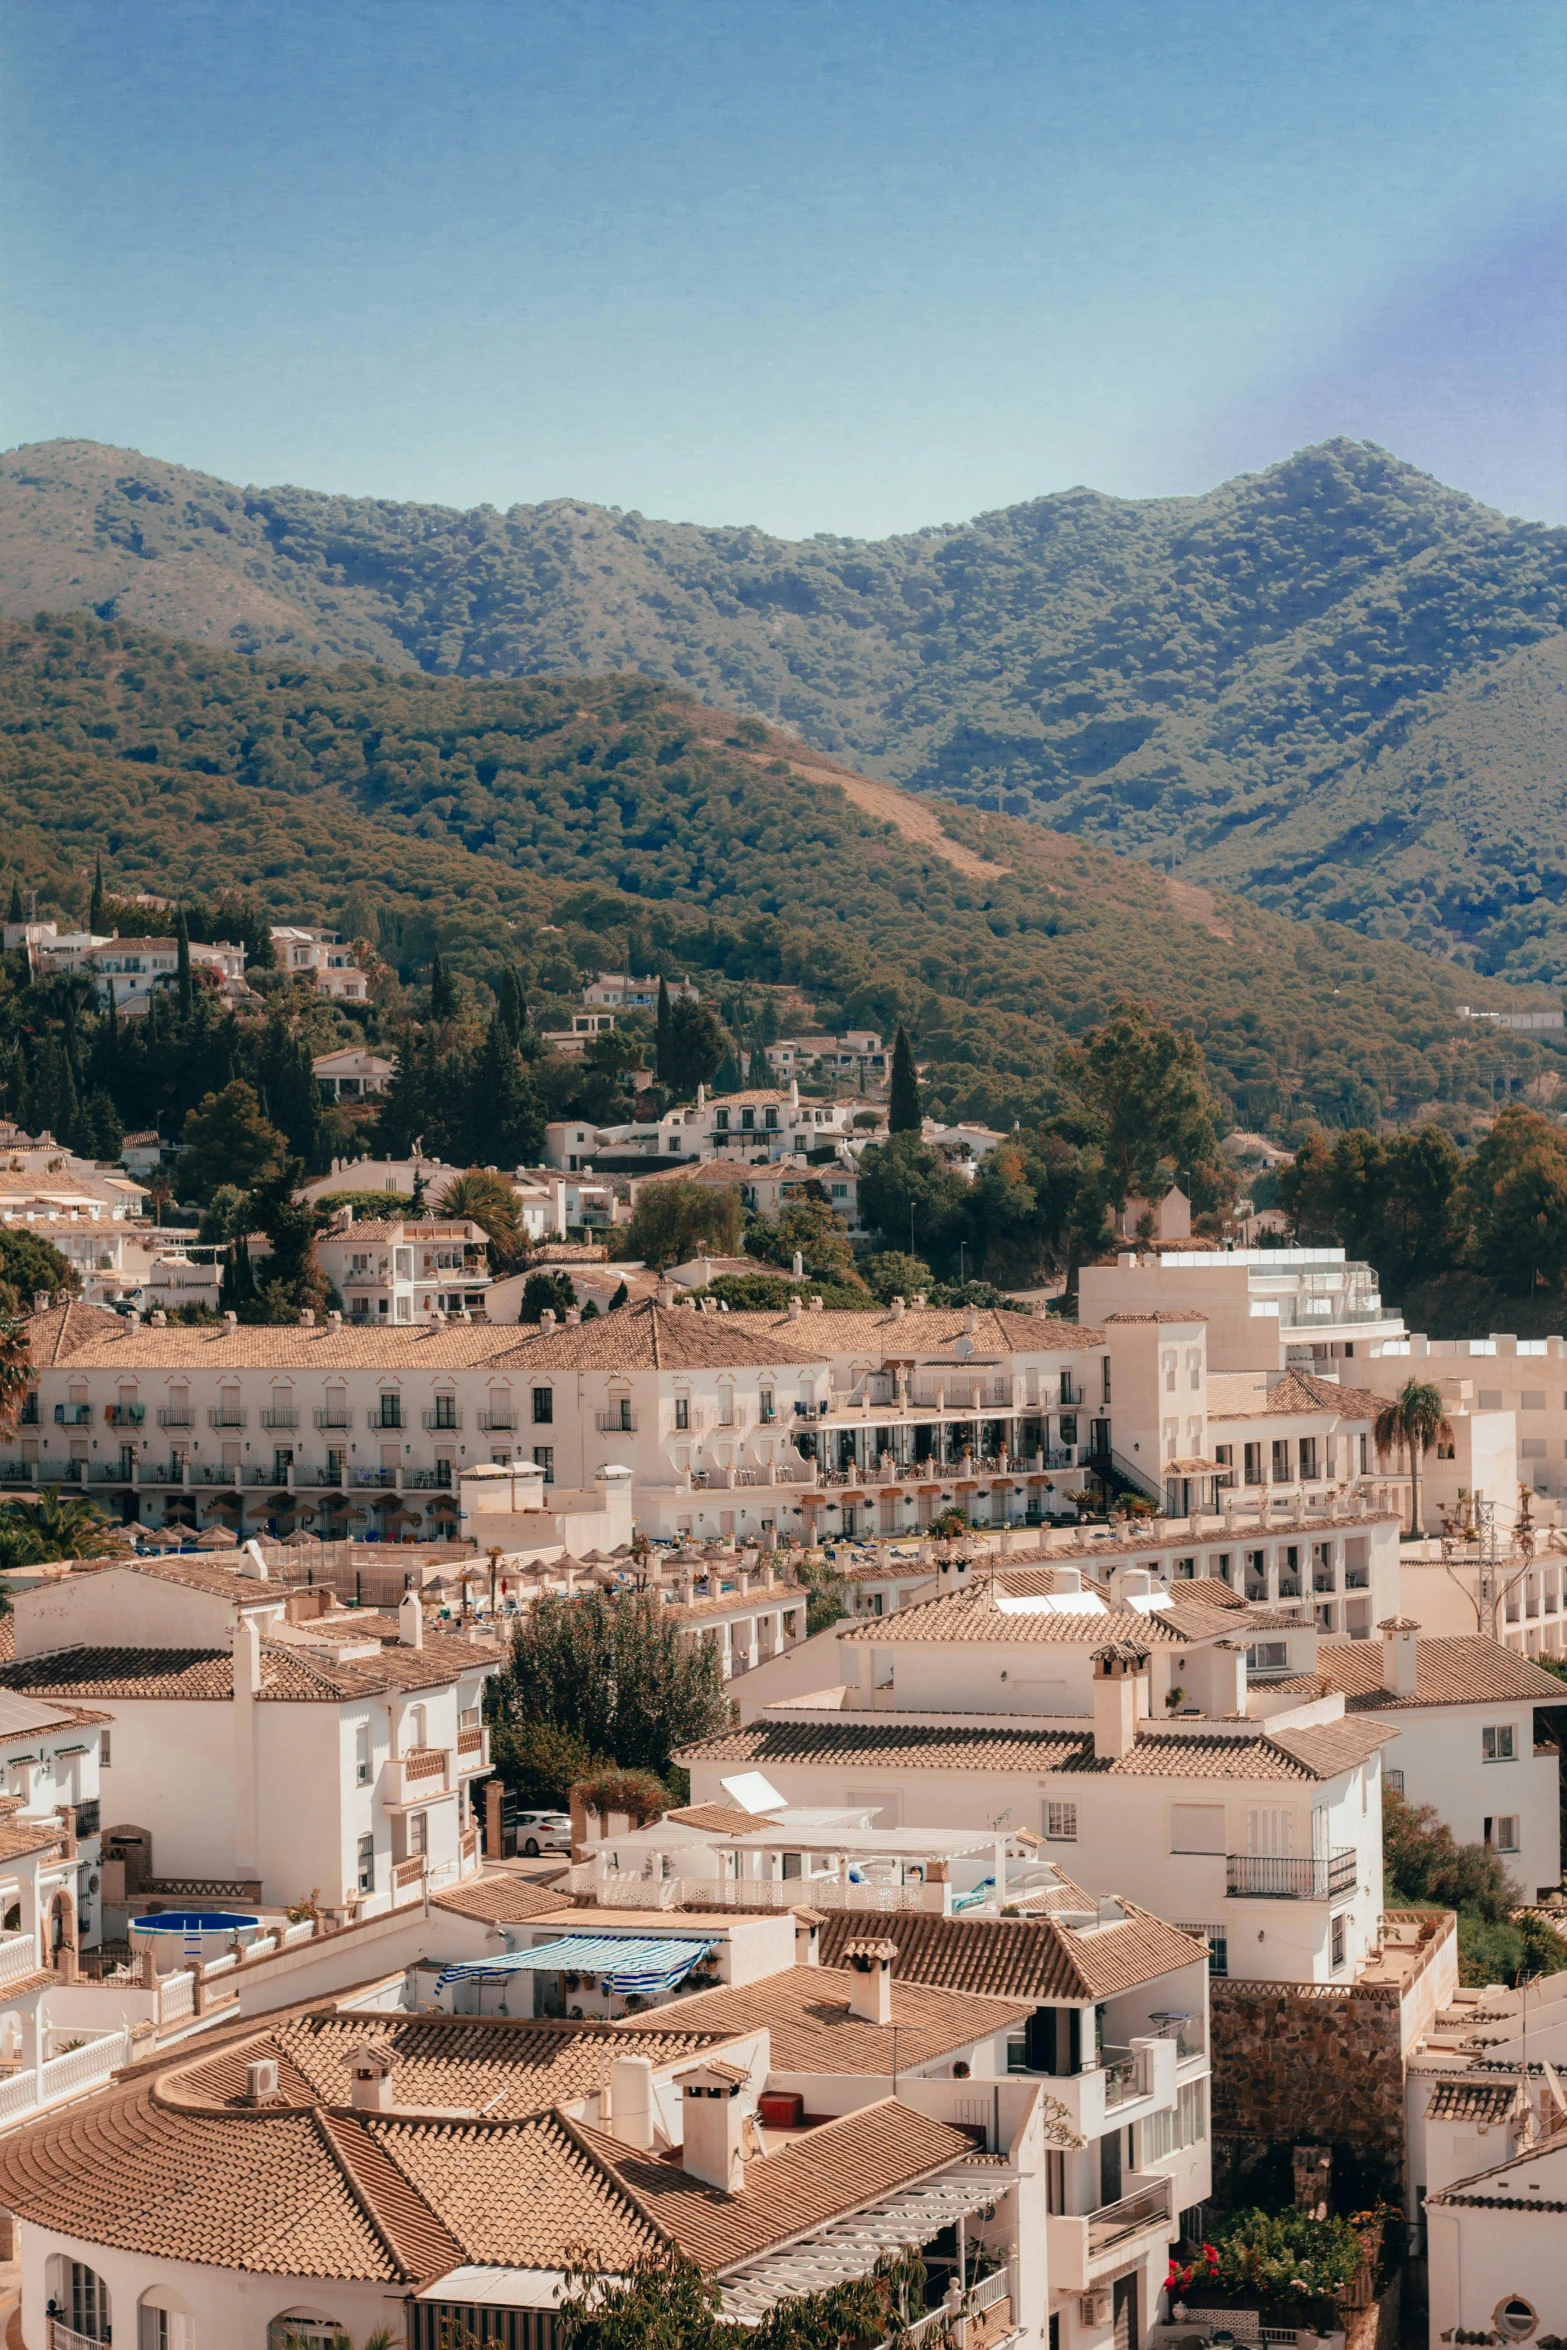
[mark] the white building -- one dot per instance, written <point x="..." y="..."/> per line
<point x="320" y="956"/>
<point x="258" y="1740"/>
<point x="1495" y="2257"/>
<point x="1265" y="1308"/>
<point x="132" y="967"/>
<point x="1131" y="1741"/>
<point x="405" y="1268"/>
<point x="620" y="991"/>
<point x="352" y="1073"/>
<point x="1469" y="1742"/>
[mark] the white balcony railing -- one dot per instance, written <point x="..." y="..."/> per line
<point x="18" y="1957"/>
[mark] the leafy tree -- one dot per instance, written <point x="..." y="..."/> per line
<point x="1517" y="1184"/>
<point x="902" y="1175"/>
<point x="671" y="1217"/>
<point x="894" y="1273"/>
<point x="29" y="1265"/>
<point x="1414" y="1420"/>
<point x="810" y="1229"/>
<point x="1423" y="1863"/>
<point x="182" y="980"/>
<point x="547" y="1293"/>
<point x="1140" y="1094"/>
<point x="510" y="1009"/>
<point x="14" y="911"/>
<point x="905" y="1112"/>
<point x="227" y="1141"/>
<point x="540" y="1761"/>
<point x="615" y="1671"/>
<point x="1397" y="1200"/>
<point x="16" y="1373"/>
<point x="489" y="1201"/>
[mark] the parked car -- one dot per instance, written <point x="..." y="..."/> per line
<point x="543" y="1831"/>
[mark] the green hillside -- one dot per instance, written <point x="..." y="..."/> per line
<point x="548" y="821"/>
<point x="1336" y="685"/>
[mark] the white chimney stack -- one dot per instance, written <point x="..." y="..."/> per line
<point x="1400" y="1655"/>
<point x="713" y="2119"/>
<point x="870" y="1994"/>
<point x="370" y="2077"/>
<point x="410" y="1620"/>
<point x="1117" y="1672"/>
<point x="631" y="2101"/>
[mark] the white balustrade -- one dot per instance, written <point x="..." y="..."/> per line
<point x="292" y="1935"/>
<point x="176" y="1997"/>
<point x="18" y="1957"/>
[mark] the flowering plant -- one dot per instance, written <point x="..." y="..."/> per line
<point x="1204" y="2269"/>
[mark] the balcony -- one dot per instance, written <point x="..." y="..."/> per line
<point x="279" y="1415"/>
<point x="473" y="1751"/>
<point x="622" y="1421"/>
<point x="422" y="1772"/>
<point x="443" y="1416"/>
<point x="1271" y="1876"/>
<point x="334" y="1415"/>
<point x="127" y="1415"/>
<point x="227" y="1415"/>
<point x="1083" y="2245"/>
<point x="378" y="1420"/>
<point x="176" y="1415"/>
<point x="436" y="1480"/>
<point x="496" y="1423"/>
<point x="73" y="1415"/>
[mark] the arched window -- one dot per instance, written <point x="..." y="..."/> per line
<point x="298" y="2327"/>
<point x="164" y="2320"/>
<point x="415" y="1727"/>
<point x="79" y="2298"/>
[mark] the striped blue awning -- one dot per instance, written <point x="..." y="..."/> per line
<point x="624" y="1962"/>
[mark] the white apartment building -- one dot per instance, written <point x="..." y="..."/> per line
<point x="321" y="956"/>
<point x="620" y="991"/>
<point x="405" y="1268"/>
<point x="1132" y="1741"/>
<point x="1495" y="2237"/>
<point x="352" y="1073"/>
<point x="760" y="1122"/>
<point x="132" y="967"/>
<point x="859" y="1057"/>
<point x="1469" y="1741"/>
<point x="544" y="1204"/>
<point x="258" y="1740"/>
<point x="1265" y="1309"/>
<point x="1524" y="1378"/>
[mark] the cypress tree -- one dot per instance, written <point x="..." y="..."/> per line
<point x="16" y="914"/>
<point x="512" y="1012"/>
<point x="443" y="994"/>
<point x="662" y="1055"/>
<point x="182" y="964"/>
<point x="95" y="914"/>
<point x="237" y="1289"/>
<point x="905" y="1113"/>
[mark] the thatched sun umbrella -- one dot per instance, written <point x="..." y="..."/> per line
<point x="217" y="1538"/>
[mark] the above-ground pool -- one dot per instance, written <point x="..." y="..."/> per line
<point x="192" y="1933"/>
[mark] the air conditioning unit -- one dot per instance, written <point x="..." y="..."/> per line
<point x="1093" y="2309"/>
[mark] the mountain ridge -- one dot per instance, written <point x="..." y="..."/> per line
<point x="1322" y="685"/>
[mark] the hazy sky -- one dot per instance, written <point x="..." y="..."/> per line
<point x="850" y="267"/>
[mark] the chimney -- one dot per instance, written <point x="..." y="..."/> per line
<point x="410" y="1620"/>
<point x="797" y="1266"/>
<point x="159" y="1320"/>
<point x="971" y="1317"/>
<point x="807" y="1930"/>
<point x="230" y="1323"/>
<point x="348" y="1212"/>
<point x="1129" y="1582"/>
<point x="630" y="2117"/>
<point x="547" y="1318"/>
<point x="41" y="1300"/>
<point x="665" y="1293"/>
<point x="794" y="1093"/>
<point x="334" y="1320"/>
<point x="307" y="1317"/>
<point x="1400" y="1655"/>
<point x="370" y="2077"/>
<point x="897" y="1309"/>
<point x="870" y="1993"/>
<point x="794" y="1309"/>
<point x="1065" y="1582"/>
<point x="815" y="1306"/>
<point x="701" y="1097"/>
<point x="573" y="1317"/>
<point x="714" y="2119"/>
<point x="133" y="1318"/>
<point x="1117" y="1670"/>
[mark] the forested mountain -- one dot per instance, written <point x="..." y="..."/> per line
<point x="1336" y="686"/>
<point x="537" y="823"/>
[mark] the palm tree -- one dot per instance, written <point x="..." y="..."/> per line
<point x="72" y="1527"/>
<point x="16" y="1374"/>
<point x="1414" y="1418"/>
<point x="488" y="1200"/>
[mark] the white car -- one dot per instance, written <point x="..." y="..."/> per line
<point x="543" y="1831"/>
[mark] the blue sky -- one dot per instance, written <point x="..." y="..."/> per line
<point x="814" y="266"/>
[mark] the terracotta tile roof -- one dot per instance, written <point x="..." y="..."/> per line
<point x="89" y="1339"/>
<point x="22" y="1836"/>
<point x="719" y="1819"/>
<point x="926" y="1330"/>
<point x="420" y="2243"/>
<point x="288" y="1675"/>
<point x="1458" y="1669"/>
<point x="499" y="1901"/>
<point x="1474" y="2101"/>
<point x="1207" y="1591"/>
<point x="1247" y="1395"/>
<point x="973" y="1617"/>
<point x="520" y="2195"/>
<point x="1318" y="1753"/>
<point x="1328" y="1748"/>
<point x="681" y="1611"/>
<point x="1166" y="1314"/>
<point x="839" y="2167"/>
<point x="1038" y="1960"/>
<point x="651" y="1337"/>
<point x="806" y="2011"/>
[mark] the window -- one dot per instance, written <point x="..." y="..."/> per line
<point x="1253" y="1464"/>
<point x="723" y="1121"/>
<point x="1218" y="1946"/>
<point x="1532" y="1399"/>
<point x="86" y="2297"/>
<point x="1505" y="1835"/>
<point x="1169" y="1374"/>
<point x="1061" y="1823"/>
<point x="366" y="1864"/>
<point x="1185" y="1570"/>
<point x="1221" y="1566"/>
<point x="1497" y="1744"/>
<point x="391" y="1411"/>
<point x="1515" y="2318"/>
<point x="418" y="1834"/>
<point x="1281" y="1460"/>
<point x="682" y="1411"/>
<point x="1308" y="1457"/>
<point x="446" y="1411"/>
<point x="544" y="1458"/>
<point x="764" y="1404"/>
<point x="543" y="1406"/>
<point x="1395" y="1780"/>
<point x="104" y="1755"/>
<point x="362" y="1755"/>
<point x="1104" y="1382"/>
<point x="1339" y="1938"/>
<point x="1197" y="1827"/>
<point x="1365" y="1456"/>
